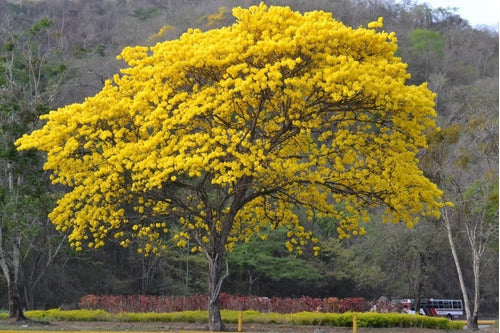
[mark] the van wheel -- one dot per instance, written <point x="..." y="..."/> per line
<point x="449" y="316"/>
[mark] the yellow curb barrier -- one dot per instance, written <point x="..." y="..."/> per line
<point x="240" y="320"/>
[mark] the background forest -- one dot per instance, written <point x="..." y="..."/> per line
<point x="58" y="52"/>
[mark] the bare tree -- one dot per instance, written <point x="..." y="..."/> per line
<point x="465" y="164"/>
<point x="29" y="76"/>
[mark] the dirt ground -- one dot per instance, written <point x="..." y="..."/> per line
<point x="72" y="326"/>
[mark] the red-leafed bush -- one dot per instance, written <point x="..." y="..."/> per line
<point x="143" y="303"/>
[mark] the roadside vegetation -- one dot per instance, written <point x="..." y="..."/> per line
<point x="230" y="316"/>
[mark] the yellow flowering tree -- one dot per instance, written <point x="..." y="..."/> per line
<point x="218" y="134"/>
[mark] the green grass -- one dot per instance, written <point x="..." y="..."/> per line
<point x="368" y="319"/>
<point x="482" y="322"/>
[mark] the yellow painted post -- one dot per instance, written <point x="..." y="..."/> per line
<point x="354" y="324"/>
<point x="240" y="320"/>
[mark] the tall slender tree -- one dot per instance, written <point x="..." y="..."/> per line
<point x="464" y="159"/>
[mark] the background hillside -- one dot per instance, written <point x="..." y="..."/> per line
<point x="73" y="46"/>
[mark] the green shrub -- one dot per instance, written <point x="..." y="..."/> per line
<point x="143" y="317"/>
<point x="184" y="316"/>
<point x="69" y="315"/>
<point x="306" y="318"/>
<point x="364" y="319"/>
<point x="196" y="316"/>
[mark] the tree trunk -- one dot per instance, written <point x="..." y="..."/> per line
<point x="251" y="281"/>
<point x="216" y="255"/>
<point x="215" y="279"/>
<point x="214" y="317"/>
<point x="29" y="297"/>
<point x="475" y="312"/>
<point x="417" y="304"/>
<point x="465" y="295"/>
<point x="15" y="307"/>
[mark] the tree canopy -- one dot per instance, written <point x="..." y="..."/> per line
<point x="243" y="123"/>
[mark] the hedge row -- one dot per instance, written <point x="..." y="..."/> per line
<point x="149" y="303"/>
<point x="369" y="319"/>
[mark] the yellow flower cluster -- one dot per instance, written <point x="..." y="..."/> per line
<point x="218" y="134"/>
<point x="214" y="19"/>
<point x="161" y="33"/>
